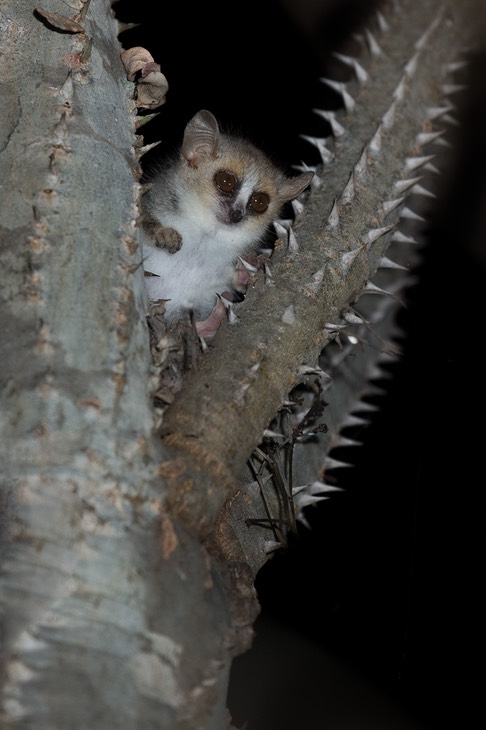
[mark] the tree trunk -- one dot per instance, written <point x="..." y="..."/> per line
<point x="127" y="557"/>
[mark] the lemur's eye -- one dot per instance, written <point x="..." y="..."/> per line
<point x="259" y="202"/>
<point x="225" y="181"/>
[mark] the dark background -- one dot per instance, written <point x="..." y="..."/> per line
<point x="373" y="618"/>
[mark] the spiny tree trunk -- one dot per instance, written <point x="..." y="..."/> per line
<point x="127" y="564"/>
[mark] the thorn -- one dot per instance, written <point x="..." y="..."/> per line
<point x="360" y="73"/>
<point x="411" y="66"/>
<point x="297" y="207"/>
<point x="435" y="112"/>
<point x="341" y="441"/>
<point x="399" y="237"/>
<point x="350" y="421"/>
<point x="127" y="26"/>
<point x="333" y="217"/>
<point x="304" y="168"/>
<point x="382" y="24"/>
<point x="305" y="500"/>
<point x="249" y="267"/>
<point x="330" y="463"/>
<point x="399" y="93"/>
<point x="269" y="546"/>
<point x="280" y="230"/>
<point x="426" y="35"/>
<point x="410" y="215"/>
<point x="293" y="245"/>
<point x="424" y="138"/>
<point x="299" y="516"/>
<point x="337" y="129"/>
<point x="348" y="192"/>
<point x="413" y="163"/>
<point x="284" y="231"/>
<point x="432" y="168"/>
<point x="361" y="166"/>
<point x="141" y="151"/>
<point x="142" y="120"/>
<point x="371" y="288"/>
<point x="420" y="190"/>
<point x="443" y="143"/>
<point x="268" y="275"/>
<point x="374" y="146"/>
<point x="403" y="185"/>
<point x="378" y="373"/>
<point x="326" y="155"/>
<point x="373" y="46"/>
<point x="363" y="405"/>
<point x="375" y="233"/>
<point x="386" y="263"/>
<point x="390" y="205"/>
<point x="316" y="487"/>
<point x="340" y="88"/>
<point x="448" y="89"/>
<point x="349" y="257"/>
<point x="454" y="66"/>
<point x="450" y="120"/>
<point x="388" y="118"/>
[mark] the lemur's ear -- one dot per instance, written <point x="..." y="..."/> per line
<point x="294" y="186"/>
<point x="201" y="137"/>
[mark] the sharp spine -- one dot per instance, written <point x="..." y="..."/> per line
<point x="330" y="463"/>
<point x="399" y="237"/>
<point x="337" y="129"/>
<point x="420" y="190"/>
<point x="382" y="24"/>
<point x="333" y="217"/>
<point x="410" y="215"/>
<point x="403" y="185"/>
<point x="399" y="93"/>
<point x="374" y="146"/>
<point x="388" y="118"/>
<point x="349" y="257"/>
<point x="413" y="163"/>
<point x="449" y="89"/>
<point x="424" y="138"/>
<point x="361" y="166"/>
<point x="411" y="66"/>
<point x="326" y="155"/>
<point x="340" y="88"/>
<point x="435" y="112"/>
<point x="390" y="205"/>
<point x="373" y="46"/>
<point x="375" y="233"/>
<point x="386" y="263"/>
<point x="360" y="73"/>
<point x="297" y="207"/>
<point x="454" y="66"/>
<point x="348" y="192"/>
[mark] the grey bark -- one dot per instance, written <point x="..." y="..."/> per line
<point x="127" y="566"/>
